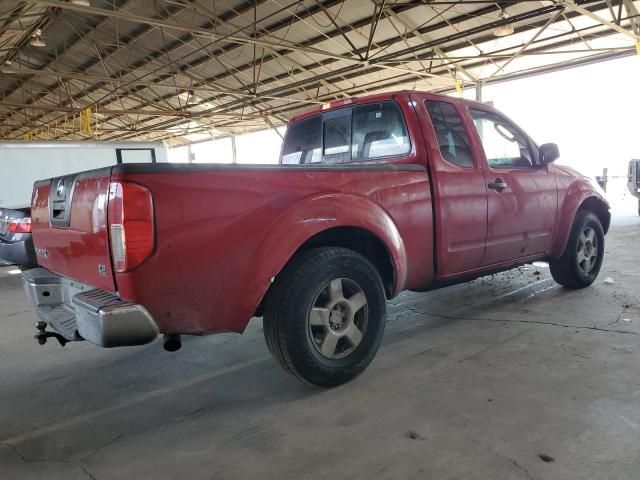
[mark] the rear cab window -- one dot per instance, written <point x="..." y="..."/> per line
<point x="350" y="134"/>
<point x="303" y="142"/>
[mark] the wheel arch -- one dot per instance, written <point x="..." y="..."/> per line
<point x="576" y="199"/>
<point x="358" y="239"/>
<point x="356" y="223"/>
<point x="362" y="241"/>
<point x="600" y="208"/>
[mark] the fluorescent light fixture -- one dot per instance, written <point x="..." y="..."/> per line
<point x="82" y="3"/>
<point x="192" y="98"/>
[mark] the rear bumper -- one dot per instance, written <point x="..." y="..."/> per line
<point x="19" y="253"/>
<point x="80" y="312"/>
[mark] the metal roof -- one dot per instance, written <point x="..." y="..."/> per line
<point x="185" y="70"/>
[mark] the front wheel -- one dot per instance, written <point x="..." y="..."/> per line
<point x="324" y="317"/>
<point x="580" y="263"/>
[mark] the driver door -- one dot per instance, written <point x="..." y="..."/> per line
<point x="522" y="198"/>
<point x="458" y="183"/>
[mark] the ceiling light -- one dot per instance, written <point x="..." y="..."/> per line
<point x="36" y="41"/>
<point x="82" y="3"/>
<point x="192" y="98"/>
<point x="503" y="30"/>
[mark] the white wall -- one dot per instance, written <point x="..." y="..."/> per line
<point x="261" y="147"/>
<point x="179" y="154"/>
<point x="23" y="163"/>
<point x="215" y="151"/>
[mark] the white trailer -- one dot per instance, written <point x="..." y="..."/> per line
<point x="22" y="163"/>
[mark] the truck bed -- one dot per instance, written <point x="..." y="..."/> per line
<point x="223" y="232"/>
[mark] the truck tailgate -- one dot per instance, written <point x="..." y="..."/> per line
<point x="69" y="224"/>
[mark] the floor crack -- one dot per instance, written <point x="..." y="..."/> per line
<point x="26" y="459"/>
<point x="17" y="313"/>
<point x="537" y="322"/>
<point x="505" y="457"/>
<point x="194" y="414"/>
<point x="88" y="474"/>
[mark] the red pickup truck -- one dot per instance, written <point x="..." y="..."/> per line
<point x="373" y="196"/>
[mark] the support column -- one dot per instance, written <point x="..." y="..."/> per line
<point x="233" y="150"/>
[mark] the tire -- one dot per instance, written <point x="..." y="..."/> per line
<point x="324" y="316"/>
<point x="580" y="263"/>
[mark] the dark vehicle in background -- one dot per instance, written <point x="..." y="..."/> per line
<point x="633" y="181"/>
<point x="16" y="244"/>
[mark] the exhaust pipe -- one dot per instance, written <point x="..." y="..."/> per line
<point x="172" y="342"/>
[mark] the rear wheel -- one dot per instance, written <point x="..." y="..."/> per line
<point x="579" y="265"/>
<point x="324" y="317"/>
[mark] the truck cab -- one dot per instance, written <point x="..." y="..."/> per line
<point x="497" y="198"/>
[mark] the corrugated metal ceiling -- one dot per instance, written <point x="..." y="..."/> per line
<point x="184" y="70"/>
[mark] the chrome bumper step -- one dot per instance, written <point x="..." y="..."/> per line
<point x="80" y="312"/>
<point x="60" y="320"/>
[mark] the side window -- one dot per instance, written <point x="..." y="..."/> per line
<point x="452" y="137"/>
<point x="378" y="131"/>
<point x="504" y="145"/>
<point x="303" y="142"/>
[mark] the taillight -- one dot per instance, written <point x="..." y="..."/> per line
<point x="22" y="225"/>
<point x="131" y="227"/>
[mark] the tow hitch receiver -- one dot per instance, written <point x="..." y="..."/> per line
<point x="43" y="335"/>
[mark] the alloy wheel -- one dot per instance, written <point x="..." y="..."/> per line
<point x="338" y="318"/>
<point x="587" y="253"/>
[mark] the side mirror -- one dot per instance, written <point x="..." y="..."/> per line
<point x="549" y="152"/>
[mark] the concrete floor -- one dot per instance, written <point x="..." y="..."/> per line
<point x="508" y="377"/>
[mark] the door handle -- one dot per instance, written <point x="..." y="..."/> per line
<point x="498" y="184"/>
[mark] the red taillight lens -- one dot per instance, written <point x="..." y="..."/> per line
<point x="131" y="227"/>
<point x="20" y="226"/>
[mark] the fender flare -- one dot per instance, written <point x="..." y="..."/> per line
<point x="313" y="215"/>
<point x="575" y="197"/>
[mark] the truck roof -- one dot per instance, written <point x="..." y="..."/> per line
<point x="379" y="97"/>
